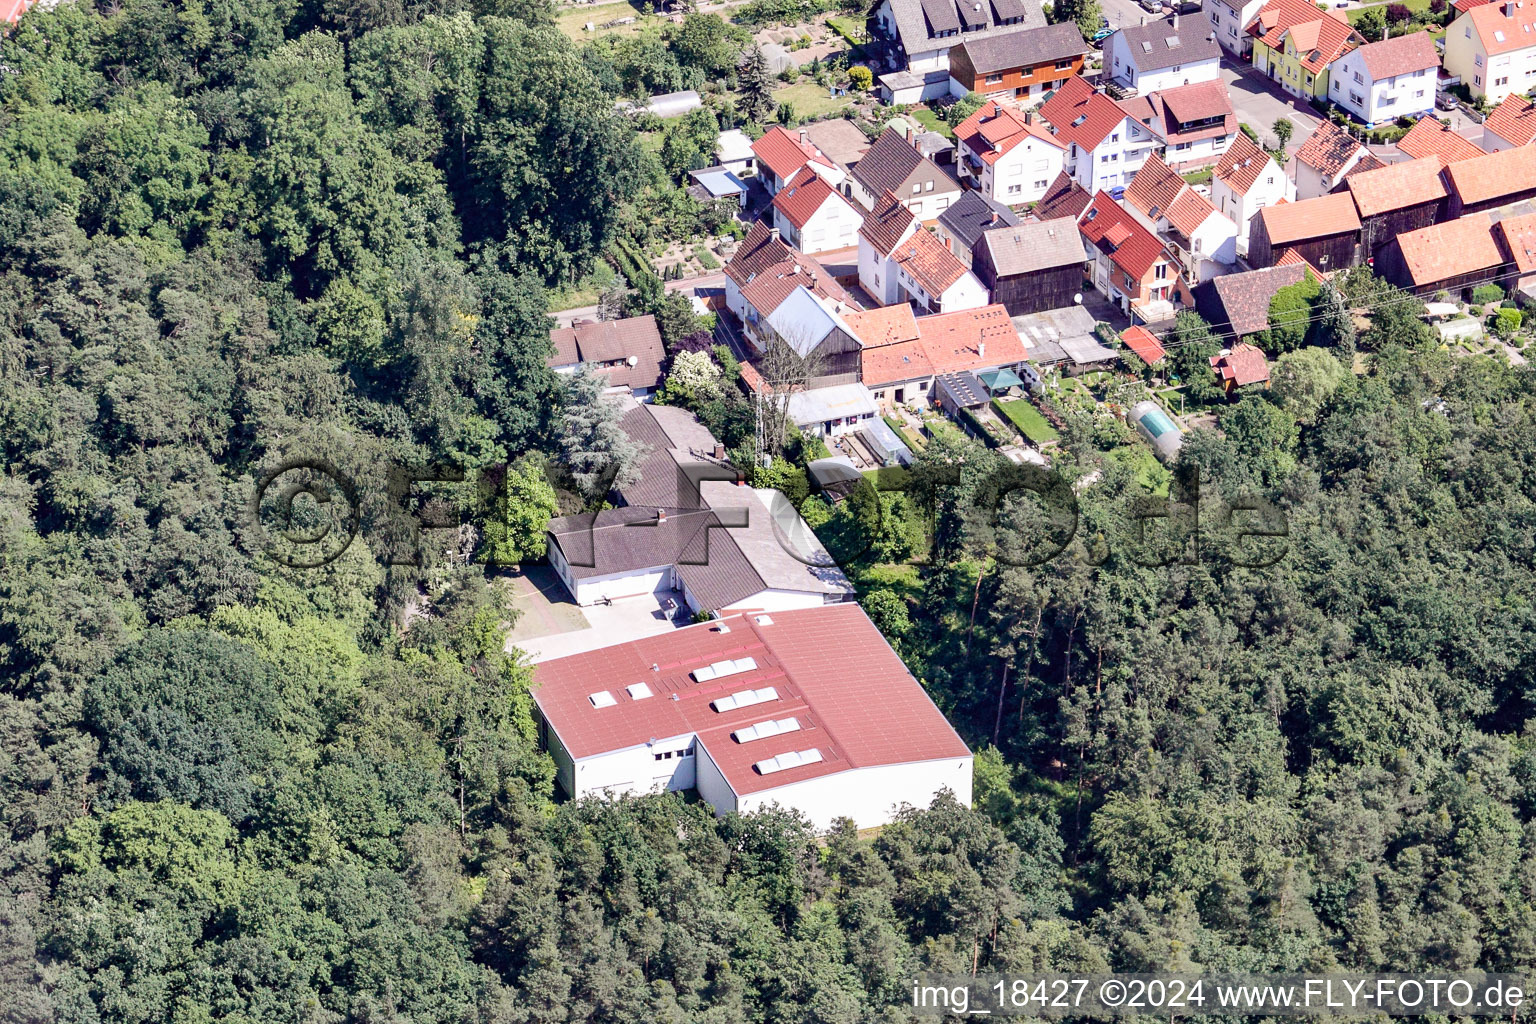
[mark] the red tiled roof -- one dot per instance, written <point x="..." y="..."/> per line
<point x="1311" y="218"/>
<point x="1500" y="34"/>
<point x="1329" y="149"/>
<point x="1397" y="186"/>
<point x="1144" y="343"/>
<point x="1241" y="165"/>
<point x="972" y="339"/>
<point x="1514" y="120"/>
<point x="1463" y="6"/>
<point x="803" y="195"/>
<point x="831" y="669"/>
<point x="784" y="154"/>
<point x="927" y="262"/>
<point x="1242" y="365"/>
<point x="767" y="271"/>
<point x="1519" y="237"/>
<point x="1157" y="191"/>
<point x="1323" y="37"/>
<point x="884" y="325"/>
<point x="1400" y="55"/>
<point x="1081" y="114"/>
<point x="1290" y="257"/>
<point x="1505" y="173"/>
<point x="1065" y="198"/>
<point x="1450" y="249"/>
<point x="1428" y="137"/>
<point x="993" y="130"/>
<point x="1166" y="111"/>
<point x="611" y="344"/>
<point x="12" y="10"/>
<point x="1130" y="246"/>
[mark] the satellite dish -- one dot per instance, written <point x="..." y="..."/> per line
<point x="633" y="360"/>
<point x="1078" y="298"/>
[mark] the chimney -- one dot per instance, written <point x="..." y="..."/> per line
<point x="1175" y="19"/>
<point x="996" y="217"/>
<point x="981" y="350"/>
<point x="1029" y="117"/>
<point x="804" y="135"/>
<point x="661" y="515"/>
<point x="719" y="450"/>
<point x="773" y="233"/>
<point x="911" y="135"/>
<point x="1509" y="8"/>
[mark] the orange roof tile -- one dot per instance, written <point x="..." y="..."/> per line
<point x="1144" y="343"/>
<point x="1329" y="149"/>
<point x="888" y="364"/>
<point x="1431" y="138"/>
<point x="927" y="262"/>
<point x="884" y="325"/>
<point x="1130" y="246"/>
<point x="803" y="195"/>
<point x="1487" y="178"/>
<point x="1322" y="37"/>
<point x="1519" y="237"/>
<point x="1241" y="165"/>
<point x="1500" y="34"/>
<point x="1332" y="214"/>
<point x="1400" y="55"/>
<point x="1398" y="186"/>
<point x="971" y="339"/>
<point x="1157" y="191"/>
<point x="784" y="154"/>
<point x="1450" y="249"/>
<point x="993" y="130"/>
<point x="1514" y="120"/>
<point x="1242" y="365"/>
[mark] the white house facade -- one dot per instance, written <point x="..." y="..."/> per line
<point x="1383" y="81"/>
<point x="1162" y="54"/>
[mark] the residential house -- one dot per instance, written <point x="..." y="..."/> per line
<point x="1511" y="125"/>
<point x="713" y="184"/>
<point x="1129" y="265"/>
<point x="627" y="352"/>
<point x="840" y="141"/>
<point x="1455" y="256"/>
<point x="894" y="165"/>
<point x="1007" y="155"/>
<point x="1324" y="231"/>
<point x="1237" y="305"/>
<point x="733" y="151"/>
<point x="961" y="225"/>
<point x="902" y="355"/>
<point x="810" y="710"/>
<point x="1294" y="43"/>
<point x="926" y="30"/>
<point x="1245" y="181"/>
<point x="764" y="272"/>
<point x="1430" y="137"/>
<point x="1161" y="55"/>
<point x="831" y="410"/>
<point x="1398" y="198"/>
<point x="1204" y="239"/>
<point x="1492" y="47"/>
<point x="1240" y="366"/>
<point x="1383" y="81"/>
<point x="1064" y="198"/>
<point x="1021" y="66"/>
<point x="1492" y="181"/>
<point x="816" y="330"/>
<point x="814" y="217"/>
<point x="1034" y="266"/>
<point x="782" y="154"/>
<point x="1517" y="236"/>
<point x="1329" y="155"/>
<point x="1230" y="20"/>
<point x="933" y="278"/>
<point x="1106" y="146"/>
<point x="684" y="524"/>
<point x="1192" y="125"/>
<point x="885" y="227"/>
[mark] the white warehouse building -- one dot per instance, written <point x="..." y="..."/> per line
<point x="809" y="709"/>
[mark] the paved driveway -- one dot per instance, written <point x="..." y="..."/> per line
<point x="1260" y="103"/>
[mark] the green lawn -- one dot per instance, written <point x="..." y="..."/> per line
<point x="1416" y="6"/>
<point x="572" y="21"/>
<point x="1022" y="414"/>
<point x="933" y="122"/>
<point x="811" y="100"/>
<point x="943" y="428"/>
<point x="1199" y="177"/>
<point x="1149" y="473"/>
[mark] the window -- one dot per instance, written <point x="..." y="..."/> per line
<point x="1497" y="81"/>
<point x="1180" y="147"/>
<point x="917" y="188"/>
<point x="1270" y="180"/>
<point x="1063" y="65"/>
<point x="1041" y="183"/>
<point x="1232" y="30"/>
<point x="1161" y="272"/>
<point x="928" y="187"/>
<point x="1115" y="137"/>
<point x="1419" y="95"/>
<point x="994" y="79"/>
<point x="1478" y="60"/>
<point x="1477" y="79"/>
<point x="1356" y="98"/>
<point x="1177" y="68"/>
<point x="1128" y="282"/>
<point x="1387" y="101"/>
<point x="1358" y="78"/>
<point x="1014" y="190"/>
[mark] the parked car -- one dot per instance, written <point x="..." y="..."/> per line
<point x="1155" y="6"/>
<point x="1445" y="101"/>
<point x="1117" y="193"/>
<point x="1102" y="34"/>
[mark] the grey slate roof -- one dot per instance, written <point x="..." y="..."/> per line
<point x="918" y="22"/>
<point x="1158" y="44"/>
<point x="1242" y="300"/>
<point x="1022" y="47"/>
<point x="971" y="214"/>
<point x="1038" y="245"/>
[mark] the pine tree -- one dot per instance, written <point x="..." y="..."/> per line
<point x="592" y="444"/>
<point x="756" y="86"/>
<point x="1336" y="327"/>
<point x="610" y="303"/>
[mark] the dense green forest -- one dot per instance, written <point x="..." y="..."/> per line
<point x="235" y="791"/>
